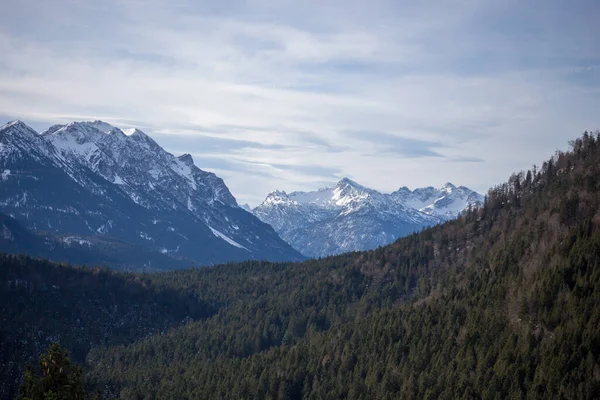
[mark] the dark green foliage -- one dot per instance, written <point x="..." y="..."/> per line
<point x="42" y="303"/>
<point x="502" y="303"/>
<point x="57" y="378"/>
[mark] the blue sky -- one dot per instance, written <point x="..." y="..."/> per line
<point x="280" y="95"/>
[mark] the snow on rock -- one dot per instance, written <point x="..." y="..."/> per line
<point x="226" y="238"/>
<point x="350" y="216"/>
<point x="69" y="240"/>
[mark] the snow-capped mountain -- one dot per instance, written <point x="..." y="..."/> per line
<point x="91" y="178"/>
<point x="446" y="203"/>
<point x="350" y="217"/>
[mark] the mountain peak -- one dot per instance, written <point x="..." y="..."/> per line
<point x="276" y="197"/>
<point x="17" y="127"/>
<point x="349" y="182"/>
<point x="101" y="126"/>
<point x="16" y="123"/>
<point x="135" y="132"/>
<point x="52" y="129"/>
<point x="404" y="190"/>
<point x="447" y="186"/>
<point x="186" y="159"/>
<point x="140" y="136"/>
<point x="277" y="193"/>
<point x="116" y="132"/>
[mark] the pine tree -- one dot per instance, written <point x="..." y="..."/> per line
<point x="59" y="378"/>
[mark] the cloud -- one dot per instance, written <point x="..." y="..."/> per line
<point x="203" y="144"/>
<point x="315" y="170"/>
<point x="398" y="145"/>
<point x="467" y="159"/>
<point x="293" y="95"/>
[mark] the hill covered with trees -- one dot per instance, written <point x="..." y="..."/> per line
<point x="503" y="302"/>
<point x="43" y="302"/>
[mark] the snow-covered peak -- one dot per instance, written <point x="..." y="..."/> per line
<point x="131" y="156"/>
<point x="346" y="191"/>
<point x="101" y="126"/>
<point x="403" y="190"/>
<point x="276" y="197"/>
<point x="17" y="127"/>
<point x="344" y="182"/>
<point x="92" y="128"/>
<point x="15" y="123"/>
<point x="76" y="138"/>
<point x="17" y="140"/>
<point x="141" y="137"/>
<point x="52" y="129"/>
<point x="452" y="201"/>
<point x="349" y="216"/>
<point x="186" y="159"/>
<point x="319" y="197"/>
<point x="133" y="132"/>
<point x="448" y="187"/>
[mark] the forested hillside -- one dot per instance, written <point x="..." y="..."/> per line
<point x="502" y="303"/>
<point x="43" y="302"/>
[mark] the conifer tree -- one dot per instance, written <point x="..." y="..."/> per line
<point x="56" y="378"/>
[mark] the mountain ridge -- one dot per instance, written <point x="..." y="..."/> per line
<point x="349" y="216"/>
<point x="91" y="178"/>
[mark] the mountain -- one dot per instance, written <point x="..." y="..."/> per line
<point x="93" y="179"/>
<point x="445" y="203"/>
<point x="349" y="216"/>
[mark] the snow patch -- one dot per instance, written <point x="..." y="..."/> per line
<point x="226" y="238"/>
<point x="6" y="233"/>
<point x="144" y="235"/>
<point x="128" y="131"/>
<point x="190" y="206"/>
<point x="69" y="240"/>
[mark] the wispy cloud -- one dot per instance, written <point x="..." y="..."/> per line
<point x="383" y="142"/>
<point x="202" y="144"/>
<point x="277" y="94"/>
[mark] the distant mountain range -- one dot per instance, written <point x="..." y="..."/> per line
<point x="90" y="180"/>
<point x="349" y="216"/>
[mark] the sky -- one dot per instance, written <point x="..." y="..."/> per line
<point x="295" y="95"/>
